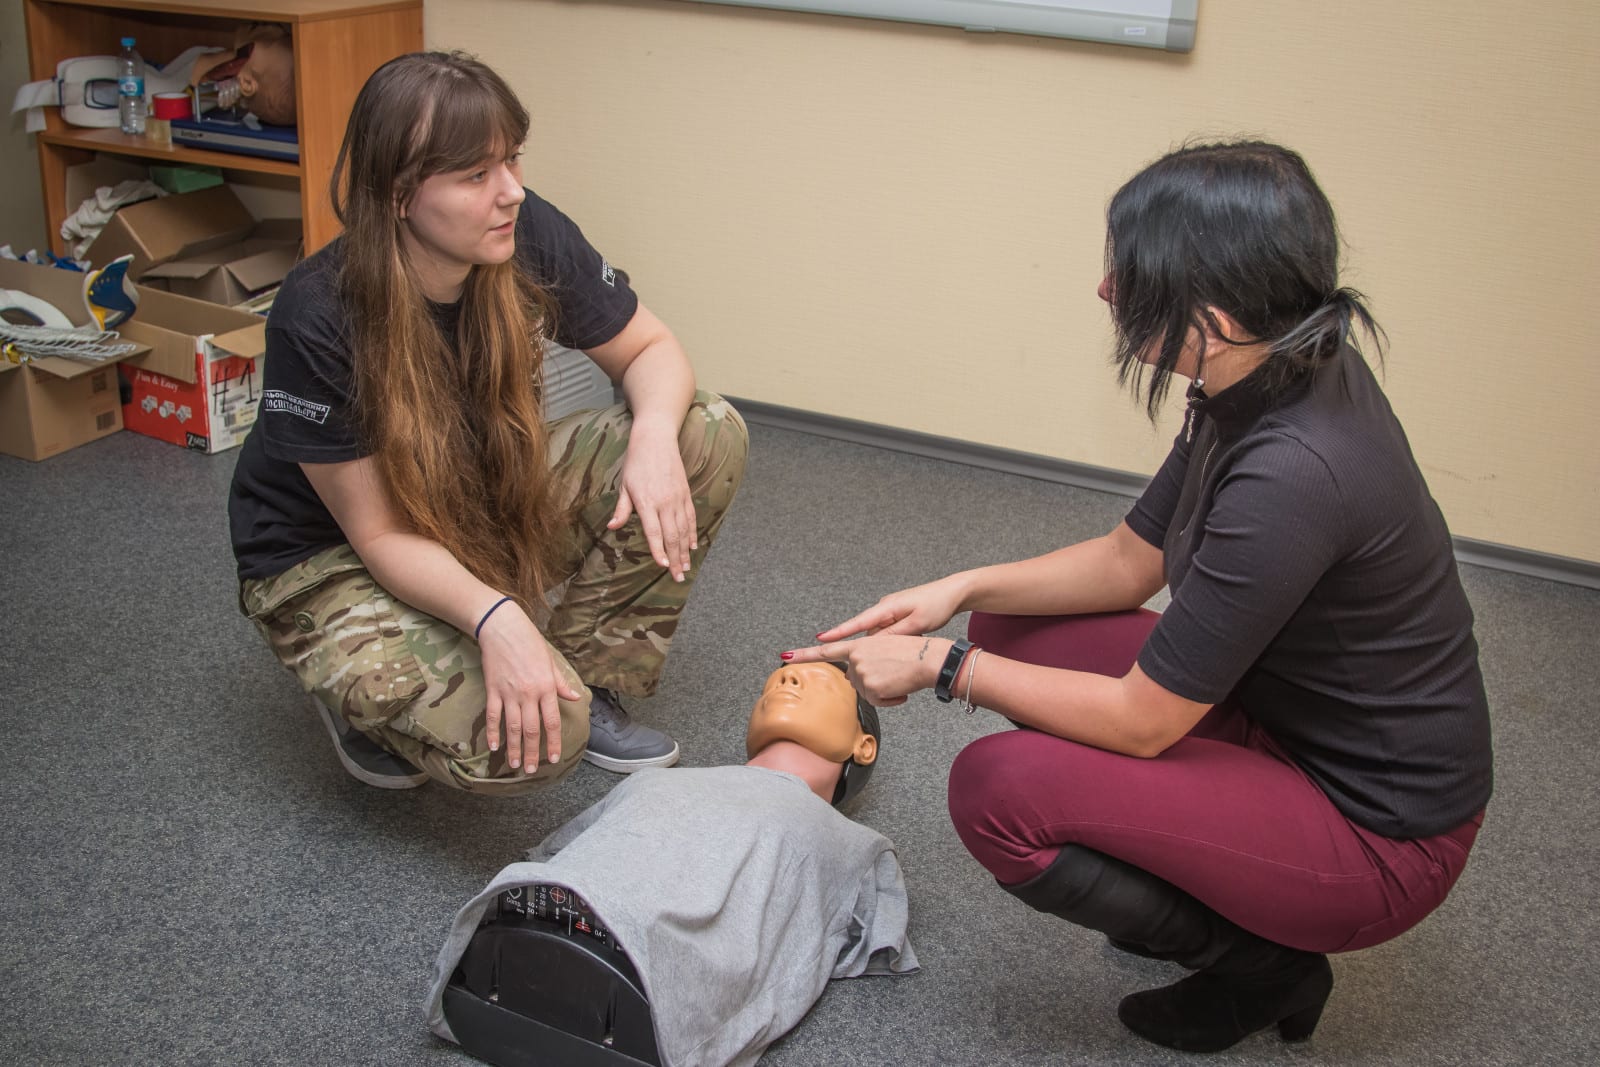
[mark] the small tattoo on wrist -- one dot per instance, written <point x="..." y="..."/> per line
<point x="924" y="650"/>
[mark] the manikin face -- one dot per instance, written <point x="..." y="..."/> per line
<point x="265" y="73"/>
<point x="459" y="219"/>
<point x="266" y="81"/>
<point x="813" y="705"/>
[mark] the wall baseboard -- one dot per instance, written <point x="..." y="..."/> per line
<point x="1500" y="557"/>
<point x="1123" y="483"/>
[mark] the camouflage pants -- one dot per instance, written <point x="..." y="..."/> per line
<point x="414" y="683"/>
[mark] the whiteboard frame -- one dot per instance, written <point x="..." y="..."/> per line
<point x="1139" y="23"/>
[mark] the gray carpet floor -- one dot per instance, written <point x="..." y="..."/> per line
<point x="190" y="878"/>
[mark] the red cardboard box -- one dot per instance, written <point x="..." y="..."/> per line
<point x="200" y="384"/>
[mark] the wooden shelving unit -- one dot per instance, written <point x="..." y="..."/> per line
<point x="337" y="44"/>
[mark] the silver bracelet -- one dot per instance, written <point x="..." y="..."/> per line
<point x="972" y="672"/>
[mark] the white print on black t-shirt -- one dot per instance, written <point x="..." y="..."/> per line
<point x="608" y="275"/>
<point x="278" y="400"/>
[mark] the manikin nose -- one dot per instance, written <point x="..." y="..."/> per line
<point x="789" y="677"/>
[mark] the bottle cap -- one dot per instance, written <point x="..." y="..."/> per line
<point x="128" y="42"/>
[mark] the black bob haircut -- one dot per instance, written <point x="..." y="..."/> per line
<point x="1239" y="226"/>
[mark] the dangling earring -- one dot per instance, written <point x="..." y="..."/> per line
<point x="1195" y="394"/>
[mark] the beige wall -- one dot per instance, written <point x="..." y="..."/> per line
<point x="903" y="223"/>
<point x="21" y="206"/>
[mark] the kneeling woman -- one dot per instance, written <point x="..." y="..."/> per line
<point x="401" y="511"/>
<point x="1294" y="758"/>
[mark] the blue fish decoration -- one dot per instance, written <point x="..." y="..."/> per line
<point x="109" y="294"/>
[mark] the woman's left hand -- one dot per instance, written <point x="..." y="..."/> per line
<point x="655" y="486"/>
<point x="658" y="385"/>
<point x="884" y="668"/>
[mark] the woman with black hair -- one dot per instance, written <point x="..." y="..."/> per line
<point x="1294" y="757"/>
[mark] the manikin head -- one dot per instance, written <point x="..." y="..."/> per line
<point x="815" y="706"/>
<point x="263" y="63"/>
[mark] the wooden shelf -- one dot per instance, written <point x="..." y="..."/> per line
<point x="337" y="44"/>
<point x="290" y="11"/>
<point x="123" y="145"/>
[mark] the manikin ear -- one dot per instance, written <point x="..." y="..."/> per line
<point x="866" y="750"/>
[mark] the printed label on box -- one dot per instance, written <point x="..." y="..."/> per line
<point x="234" y="398"/>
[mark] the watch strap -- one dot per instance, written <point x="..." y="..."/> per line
<point x="952" y="667"/>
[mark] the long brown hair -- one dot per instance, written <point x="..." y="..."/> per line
<point x="455" y="424"/>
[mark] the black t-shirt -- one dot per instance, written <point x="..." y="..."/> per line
<point x="276" y="517"/>
<point x="1312" y="577"/>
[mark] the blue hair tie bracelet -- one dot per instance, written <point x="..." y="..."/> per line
<point x="492" y="608"/>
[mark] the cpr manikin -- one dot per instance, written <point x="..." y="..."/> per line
<point x="694" y="914"/>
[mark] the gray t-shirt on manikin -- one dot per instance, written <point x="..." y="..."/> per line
<point x="736" y="892"/>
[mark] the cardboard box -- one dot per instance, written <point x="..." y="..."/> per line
<point x="199" y="386"/>
<point x="203" y="244"/>
<point x="235" y="272"/>
<point x="51" y="404"/>
<point x="157" y="231"/>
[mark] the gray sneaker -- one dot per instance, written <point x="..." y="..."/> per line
<point x="364" y="758"/>
<point x="617" y="743"/>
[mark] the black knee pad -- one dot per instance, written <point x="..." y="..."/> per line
<point x="542" y="984"/>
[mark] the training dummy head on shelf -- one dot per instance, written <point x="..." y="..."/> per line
<point x="263" y="66"/>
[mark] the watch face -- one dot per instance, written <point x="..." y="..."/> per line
<point x="952" y="666"/>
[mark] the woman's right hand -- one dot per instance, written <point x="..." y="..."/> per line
<point x="523" y="684"/>
<point x="918" y="610"/>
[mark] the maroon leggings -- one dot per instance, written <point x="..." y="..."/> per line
<point x="1223" y="814"/>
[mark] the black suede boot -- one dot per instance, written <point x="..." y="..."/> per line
<point x="1132" y="948"/>
<point x="1243" y="983"/>
<point x="1248" y="989"/>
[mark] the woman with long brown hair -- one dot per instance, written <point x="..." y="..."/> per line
<point x="403" y="516"/>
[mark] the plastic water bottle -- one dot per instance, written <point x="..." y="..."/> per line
<point x="131" y="104"/>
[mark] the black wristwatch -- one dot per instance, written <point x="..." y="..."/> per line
<point x="952" y="667"/>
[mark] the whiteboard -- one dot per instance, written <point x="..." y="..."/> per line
<point x="1164" y="24"/>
